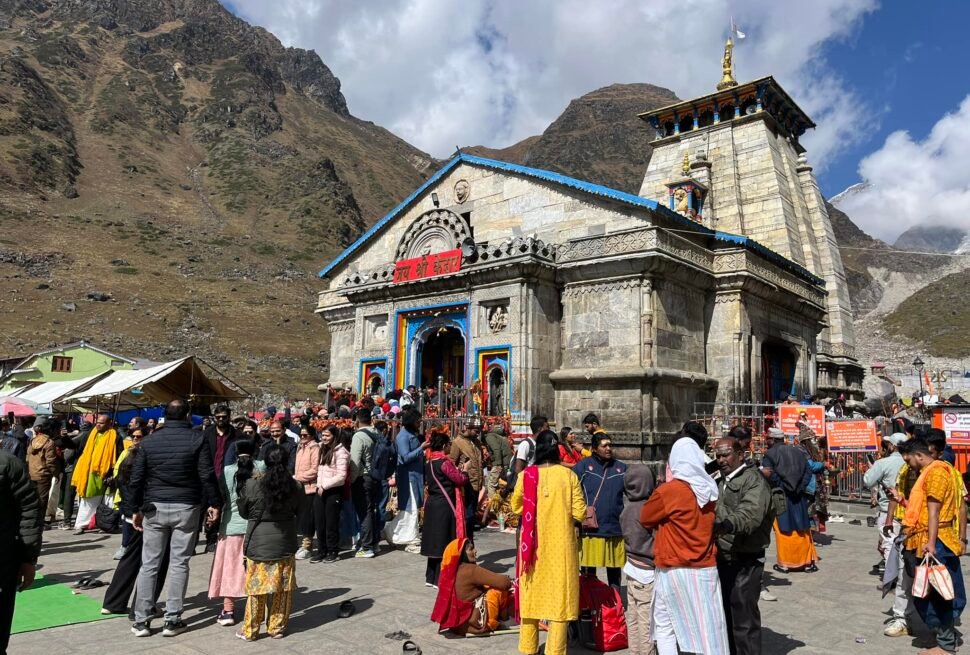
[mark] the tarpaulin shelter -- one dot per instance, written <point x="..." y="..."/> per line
<point x="48" y="394"/>
<point x="189" y="377"/>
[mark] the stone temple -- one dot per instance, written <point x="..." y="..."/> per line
<point x="721" y="282"/>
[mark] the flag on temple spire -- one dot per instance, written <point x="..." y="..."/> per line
<point x="736" y="31"/>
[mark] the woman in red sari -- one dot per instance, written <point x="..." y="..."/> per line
<point x="471" y="599"/>
<point x="444" y="506"/>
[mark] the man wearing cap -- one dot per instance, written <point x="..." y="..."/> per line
<point x="882" y="477"/>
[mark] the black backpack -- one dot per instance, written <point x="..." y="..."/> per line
<point x="383" y="458"/>
<point x="509" y="474"/>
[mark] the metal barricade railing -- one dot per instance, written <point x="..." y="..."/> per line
<point x="845" y="484"/>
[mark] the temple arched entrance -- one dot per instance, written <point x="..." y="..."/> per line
<point x="442" y="354"/>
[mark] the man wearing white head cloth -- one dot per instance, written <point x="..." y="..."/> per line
<point x="686" y="588"/>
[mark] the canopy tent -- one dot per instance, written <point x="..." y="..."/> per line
<point x="188" y="377"/>
<point x="49" y="393"/>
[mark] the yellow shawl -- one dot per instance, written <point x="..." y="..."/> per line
<point x="94" y="463"/>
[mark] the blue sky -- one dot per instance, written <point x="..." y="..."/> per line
<point x="908" y="63"/>
<point x="883" y="79"/>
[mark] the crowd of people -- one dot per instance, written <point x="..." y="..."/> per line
<point x="265" y="492"/>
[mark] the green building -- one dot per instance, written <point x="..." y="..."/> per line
<point x="72" y="361"/>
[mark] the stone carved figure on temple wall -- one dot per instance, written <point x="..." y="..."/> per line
<point x="462" y="191"/>
<point x="498" y="318"/>
<point x="680" y="201"/>
<point x="496" y="392"/>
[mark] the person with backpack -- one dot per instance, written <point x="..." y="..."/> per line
<point x="364" y="487"/>
<point x="525" y="452"/>
<point x="743" y="524"/>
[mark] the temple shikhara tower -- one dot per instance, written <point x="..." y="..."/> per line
<point x="735" y="157"/>
<point x="719" y="283"/>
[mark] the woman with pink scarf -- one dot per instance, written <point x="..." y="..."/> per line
<point x="550" y="501"/>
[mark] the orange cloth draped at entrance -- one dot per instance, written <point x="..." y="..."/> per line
<point x="795" y="550"/>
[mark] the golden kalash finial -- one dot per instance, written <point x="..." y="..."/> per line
<point x="727" y="67"/>
<point x="686" y="165"/>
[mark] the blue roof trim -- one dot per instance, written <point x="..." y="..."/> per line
<point x="579" y="185"/>
<point x="785" y="263"/>
<point x="376" y="227"/>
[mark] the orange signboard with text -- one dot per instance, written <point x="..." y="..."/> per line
<point x="788" y="416"/>
<point x="852" y="435"/>
<point x="419" y="268"/>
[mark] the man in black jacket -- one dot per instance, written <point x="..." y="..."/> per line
<point x="20" y="537"/>
<point x="220" y="439"/>
<point x="172" y="478"/>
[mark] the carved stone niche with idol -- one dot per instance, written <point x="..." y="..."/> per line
<point x="686" y="194"/>
<point x="495" y="317"/>
<point x="375" y="331"/>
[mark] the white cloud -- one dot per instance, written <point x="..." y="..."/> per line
<point x="441" y="73"/>
<point x="909" y="182"/>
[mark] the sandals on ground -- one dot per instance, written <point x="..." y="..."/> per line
<point x="410" y="648"/>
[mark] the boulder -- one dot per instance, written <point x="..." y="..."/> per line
<point x="880" y="393"/>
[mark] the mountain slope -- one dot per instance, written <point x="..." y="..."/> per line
<point x="931" y="239"/>
<point x="597" y="138"/>
<point x="186" y="163"/>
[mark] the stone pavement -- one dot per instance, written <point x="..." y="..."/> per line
<point x="816" y="613"/>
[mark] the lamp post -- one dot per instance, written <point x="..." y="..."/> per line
<point x="918" y="365"/>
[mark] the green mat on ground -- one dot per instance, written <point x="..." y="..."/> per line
<point x="49" y="604"/>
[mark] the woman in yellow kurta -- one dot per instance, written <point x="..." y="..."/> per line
<point x="548" y="498"/>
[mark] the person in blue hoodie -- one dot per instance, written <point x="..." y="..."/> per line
<point x="601" y="478"/>
<point x="409" y="477"/>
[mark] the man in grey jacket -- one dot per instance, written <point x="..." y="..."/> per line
<point x="743" y="527"/>
<point x="364" y="489"/>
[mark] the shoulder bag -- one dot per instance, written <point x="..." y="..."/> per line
<point x="590" y="521"/>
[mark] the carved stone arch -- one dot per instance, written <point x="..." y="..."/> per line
<point x="432" y="232"/>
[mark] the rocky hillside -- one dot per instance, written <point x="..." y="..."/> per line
<point x="170" y="179"/>
<point x="933" y="239"/>
<point x="936" y="315"/>
<point x="597" y="138"/>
